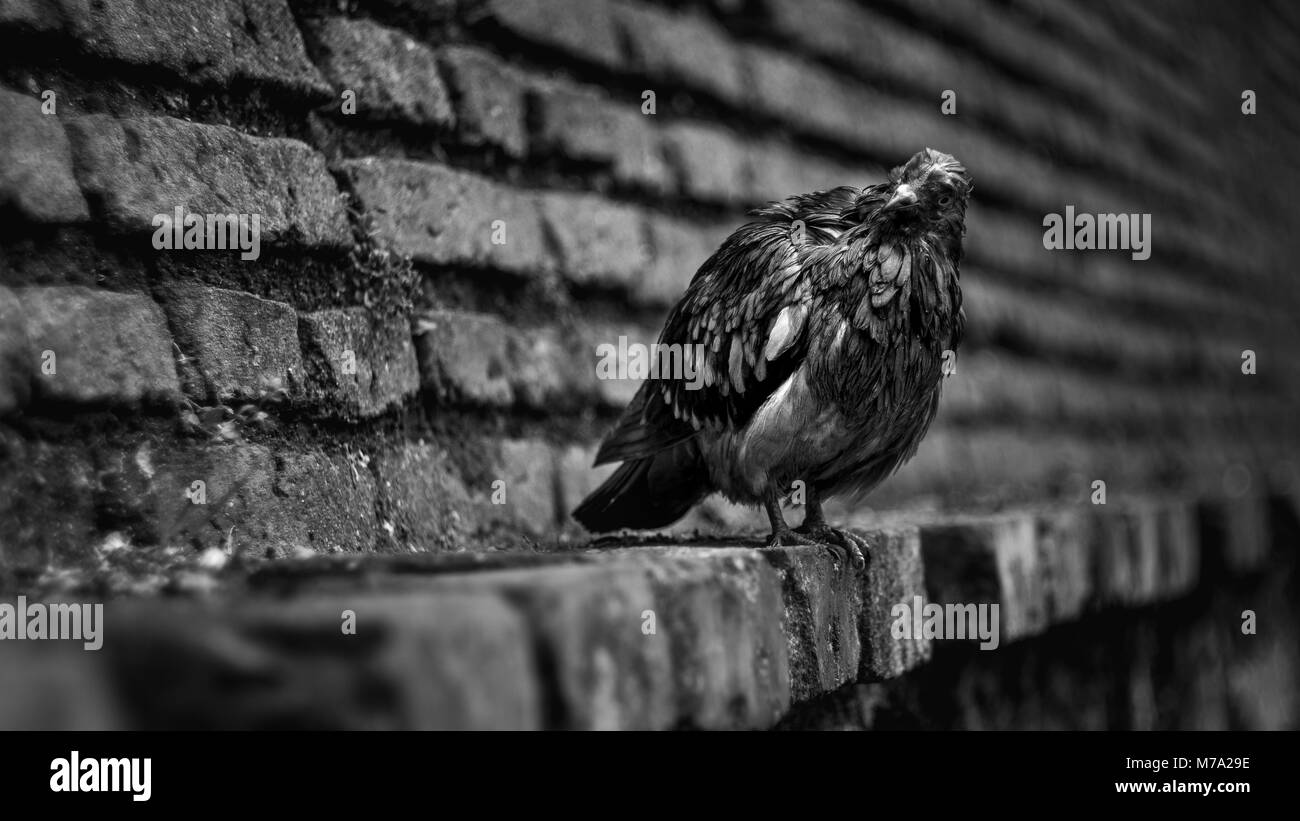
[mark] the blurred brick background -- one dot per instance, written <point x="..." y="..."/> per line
<point x="475" y="360"/>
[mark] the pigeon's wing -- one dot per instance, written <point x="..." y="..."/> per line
<point x="738" y="332"/>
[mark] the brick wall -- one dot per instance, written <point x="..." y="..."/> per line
<point x="388" y="376"/>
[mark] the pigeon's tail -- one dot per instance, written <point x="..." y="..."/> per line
<point x="653" y="491"/>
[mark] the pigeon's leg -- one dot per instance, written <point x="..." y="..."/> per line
<point x="782" y="535"/>
<point x="814" y="525"/>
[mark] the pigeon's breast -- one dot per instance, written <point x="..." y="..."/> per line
<point x="791" y="437"/>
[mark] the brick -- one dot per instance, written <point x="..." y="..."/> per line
<point x="189" y="40"/>
<point x="261" y="504"/>
<point x="422" y="499"/>
<point x="36" y="163"/>
<point x="823" y="604"/>
<point x="990" y="562"/>
<point x="587" y="126"/>
<point x="200" y="43"/>
<point x="18" y="362"/>
<point x="267" y="47"/>
<point x="577" y="476"/>
<point x="777" y="171"/>
<point x="527" y="469"/>
<point x="442" y="216"/>
<point x="600" y="242"/>
<point x="605" y="342"/>
<point x="719" y="610"/>
<point x="604" y="674"/>
<point x="451" y="662"/>
<point x="324" y="502"/>
<point x="480" y="359"/>
<point x="681" y="48"/>
<point x="1146" y="552"/>
<point x="237" y="496"/>
<point x="821" y="102"/>
<point x="896" y="574"/>
<point x="359" y="363"/>
<point x="872" y="44"/>
<point x="680" y="247"/>
<point x="137" y="168"/>
<point x="491" y="99"/>
<point x="940" y="469"/>
<point x="583" y="28"/>
<point x="394" y="77"/>
<point x="109" y="348"/>
<point x="238" y="346"/>
<point x="710" y="163"/>
<point x="1064" y="549"/>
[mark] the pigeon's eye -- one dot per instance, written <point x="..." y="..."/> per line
<point x="945" y="200"/>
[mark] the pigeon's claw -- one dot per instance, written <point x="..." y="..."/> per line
<point x="846" y="545"/>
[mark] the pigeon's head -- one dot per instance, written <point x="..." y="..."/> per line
<point x="929" y="192"/>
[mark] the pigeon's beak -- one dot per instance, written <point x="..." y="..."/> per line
<point x="904" y="197"/>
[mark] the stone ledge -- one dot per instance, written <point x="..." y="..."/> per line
<point x="645" y="636"/>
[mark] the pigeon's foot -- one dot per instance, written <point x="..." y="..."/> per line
<point x="843" y="543"/>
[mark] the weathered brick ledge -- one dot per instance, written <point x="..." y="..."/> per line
<point x="562" y="640"/>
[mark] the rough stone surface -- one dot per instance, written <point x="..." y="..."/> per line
<point x="480" y="359"/>
<point x="683" y="49"/>
<point x="584" y="28"/>
<point x="267" y="47"/>
<point x="325" y="503"/>
<point x="107" y="347"/>
<point x="1145" y="553"/>
<point x="896" y="574"/>
<point x="135" y="169"/>
<point x="237" y="346"/>
<point x="585" y="125"/>
<point x="361" y="364"/>
<point x="604" y="672"/>
<point x="442" y="216"/>
<point x="680" y="248"/>
<point x="263" y="504"/>
<point x="720" y="612"/>
<point x="455" y="661"/>
<point x="710" y="163"/>
<point x="823" y="602"/>
<point x="600" y="242"/>
<point x="394" y="77"/>
<point x="986" y="564"/>
<point x="423" y="503"/>
<point x="525" y="496"/>
<point x="185" y="39"/>
<point x="36" y="163"/>
<point x="18" y="362"/>
<point x="491" y="99"/>
<point x="200" y="43"/>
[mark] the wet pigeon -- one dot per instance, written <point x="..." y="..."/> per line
<point x="819" y="331"/>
